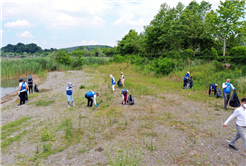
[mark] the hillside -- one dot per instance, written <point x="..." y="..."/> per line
<point x="89" y="47"/>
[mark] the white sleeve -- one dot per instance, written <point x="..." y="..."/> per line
<point x="95" y="99"/>
<point x="232" y="87"/>
<point x="224" y="85"/>
<point x="235" y="114"/>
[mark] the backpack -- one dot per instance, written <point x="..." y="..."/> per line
<point x="234" y="102"/>
<point x="130" y="100"/>
<point x="30" y="81"/>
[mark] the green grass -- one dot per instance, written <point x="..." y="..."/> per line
<point x="44" y="103"/>
<point x="13" y="126"/>
<point x="9" y="141"/>
<point x="81" y="87"/>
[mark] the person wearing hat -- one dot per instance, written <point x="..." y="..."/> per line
<point x="227" y="86"/>
<point x="122" y="78"/>
<point x="113" y="81"/>
<point x="30" y="84"/>
<point x="69" y="92"/>
<point x="212" y="87"/>
<point x="22" y="91"/>
<point x="89" y="96"/>
<point x="186" y="78"/>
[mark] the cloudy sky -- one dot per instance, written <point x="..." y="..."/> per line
<point x="60" y="24"/>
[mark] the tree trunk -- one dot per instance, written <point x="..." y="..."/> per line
<point x="151" y="54"/>
<point x="194" y="49"/>
<point x="224" y="50"/>
<point x="161" y="52"/>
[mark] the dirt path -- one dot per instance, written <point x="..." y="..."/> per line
<point x="159" y="129"/>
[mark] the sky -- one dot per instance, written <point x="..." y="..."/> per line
<point x="62" y="24"/>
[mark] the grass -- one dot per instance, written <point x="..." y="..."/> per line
<point x="82" y="87"/>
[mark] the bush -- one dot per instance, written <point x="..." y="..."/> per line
<point x="62" y="57"/>
<point x="118" y="58"/>
<point x="171" y="54"/>
<point x="81" y="87"/>
<point x="214" y="52"/>
<point x="162" y="65"/>
<point x="238" y="51"/>
<point x="188" y="53"/>
<point x="244" y="71"/>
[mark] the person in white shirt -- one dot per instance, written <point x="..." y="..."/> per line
<point x="22" y="91"/>
<point x="240" y="114"/>
<point x="113" y="81"/>
<point x="227" y="86"/>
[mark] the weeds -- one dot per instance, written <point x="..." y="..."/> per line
<point x="82" y="87"/>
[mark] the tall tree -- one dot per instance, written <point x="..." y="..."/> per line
<point x="193" y="22"/>
<point x="225" y="21"/>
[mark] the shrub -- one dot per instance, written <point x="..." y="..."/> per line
<point x="118" y="58"/>
<point x="81" y="87"/>
<point x="238" y="51"/>
<point x="244" y="71"/>
<point x="188" y="53"/>
<point x="63" y="57"/>
<point x="171" y="54"/>
<point x="214" y="52"/>
<point x="162" y="65"/>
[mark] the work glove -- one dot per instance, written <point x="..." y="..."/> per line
<point x="227" y="84"/>
<point x="96" y="105"/>
<point x="209" y="95"/>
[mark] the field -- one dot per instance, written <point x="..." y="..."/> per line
<point x="166" y="126"/>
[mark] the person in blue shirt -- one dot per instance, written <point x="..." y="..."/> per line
<point x="89" y="96"/>
<point x="122" y="78"/>
<point x="69" y="92"/>
<point x="30" y="84"/>
<point x="186" y="78"/>
<point x="227" y="86"/>
<point x="124" y="95"/>
<point x="113" y="81"/>
<point x="22" y="91"/>
<point x="212" y="87"/>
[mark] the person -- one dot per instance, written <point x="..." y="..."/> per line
<point x="22" y="91"/>
<point x="124" y="95"/>
<point x="122" y="78"/>
<point x="69" y="91"/>
<point x="212" y="87"/>
<point x="90" y="94"/>
<point x="30" y="84"/>
<point x="186" y="78"/>
<point x="239" y="113"/>
<point x="113" y="81"/>
<point x="227" y="86"/>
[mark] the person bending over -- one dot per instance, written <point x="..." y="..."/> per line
<point x="89" y="96"/>
<point x="124" y="95"/>
<point x="212" y="87"/>
<point x="186" y="78"/>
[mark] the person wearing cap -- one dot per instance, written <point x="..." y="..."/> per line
<point x="22" y="91"/>
<point x="89" y="96"/>
<point x="212" y="87"/>
<point x="227" y="86"/>
<point x="186" y="78"/>
<point x="69" y="92"/>
<point x="124" y="95"/>
<point x="239" y="113"/>
<point x="30" y="84"/>
<point x="122" y="78"/>
<point x="113" y="81"/>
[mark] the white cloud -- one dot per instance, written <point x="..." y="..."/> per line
<point x="92" y="42"/>
<point x="19" y="24"/>
<point x="25" y="34"/>
<point x="1" y="31"/>
<point x="9" y="30"/>
<point x="127" y="19"/>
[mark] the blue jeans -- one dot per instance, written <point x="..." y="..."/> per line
<point x="241" y="133"/>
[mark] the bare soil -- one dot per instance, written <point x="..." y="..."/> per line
<point x="161" y="129"/>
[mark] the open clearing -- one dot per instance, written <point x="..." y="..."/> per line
<point x="166" y="126"/>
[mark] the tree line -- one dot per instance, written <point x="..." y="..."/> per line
<point x="196" y="27"/>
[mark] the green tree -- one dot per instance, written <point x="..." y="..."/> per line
<point x="62" y="56"/>
<point x="193" y="22"/>
<point x="125" y="45"/>
<point x="224" y="22"/>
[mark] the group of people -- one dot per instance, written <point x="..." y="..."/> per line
<point x="91" y="94"/>
<point x="239" y="113"/>
<point x="23" y="88"/>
